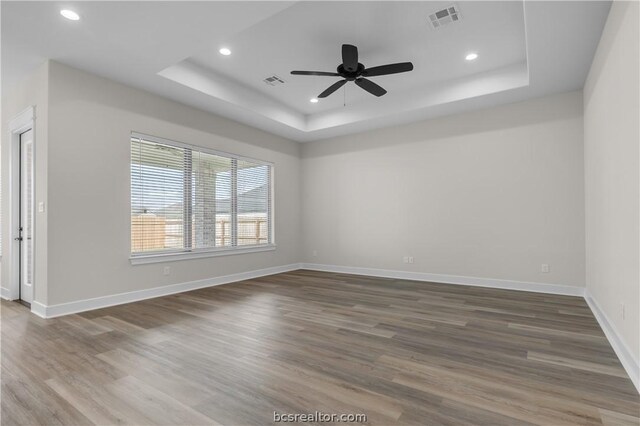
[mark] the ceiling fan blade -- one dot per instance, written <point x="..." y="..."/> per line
<point x="370" y="87"/>
<point x="329" y="74"/>
<point x="349" y="57"/>
<point x="332" y="88"/>
<point x="388" y="69"/>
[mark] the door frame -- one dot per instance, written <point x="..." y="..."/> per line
<point x="21" y="123"/>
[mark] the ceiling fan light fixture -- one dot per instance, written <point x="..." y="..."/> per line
<point x="471" y="56"/>
<point x="225" y="51"/>
<point x="313" y="100"/>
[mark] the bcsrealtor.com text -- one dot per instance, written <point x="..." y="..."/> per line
<point x="319" y="417"/>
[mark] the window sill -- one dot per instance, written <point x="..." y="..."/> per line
<point x="171" y="257"/>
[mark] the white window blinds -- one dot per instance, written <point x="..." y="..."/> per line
<point x="186" y="199"/>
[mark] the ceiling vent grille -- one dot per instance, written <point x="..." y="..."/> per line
<point x="445" y="16"/>
<point x="273" y="80"/>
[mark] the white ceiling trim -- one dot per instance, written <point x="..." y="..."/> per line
<point x="507" y="78"/>
<point x="203" y="80"/>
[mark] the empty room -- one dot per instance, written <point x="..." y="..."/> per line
<point x="320" y="212"/>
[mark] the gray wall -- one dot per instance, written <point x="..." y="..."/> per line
<point x="612" y="174"/>
<point x="489" y="194"/>
<point x="89" y="218"/>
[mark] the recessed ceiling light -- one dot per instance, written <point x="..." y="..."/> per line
<point x="313" y="100"/>
<point x="224" y="51"/>
<point x="471" y="56"/>
<point x="70" y="14"/>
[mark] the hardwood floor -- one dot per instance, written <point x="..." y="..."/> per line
<point x="401" y="352"/>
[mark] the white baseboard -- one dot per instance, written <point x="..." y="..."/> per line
<point x="39" y="309"/>
<point x="630" y="364"/>
<point x="5" y="293"/>
<point x="52" y="311"/>
<point x="566" y="290"/>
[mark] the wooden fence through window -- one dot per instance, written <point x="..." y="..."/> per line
<point x="150" y="232"/>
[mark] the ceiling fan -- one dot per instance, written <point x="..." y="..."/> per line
<point x="352" y="70"/>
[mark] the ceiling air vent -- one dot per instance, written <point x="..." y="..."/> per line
<point x="273" y="80"/>
<point x="445" y="16"/>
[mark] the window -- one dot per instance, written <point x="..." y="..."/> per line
<point x="186" y="199"/>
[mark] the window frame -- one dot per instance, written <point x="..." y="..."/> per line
<point x="138" y="258"/>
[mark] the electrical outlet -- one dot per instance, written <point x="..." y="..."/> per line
<point x="410" y="259"/>
<point x="314" y="253"/>
<point x="166" y="270"/>
<point x="405" y="259"/>
<point x="544" y="268"/>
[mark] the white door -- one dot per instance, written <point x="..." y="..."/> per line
<point x="26" y="216"/>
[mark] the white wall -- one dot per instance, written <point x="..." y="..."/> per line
<point x="488" y="194"/>
<point x="89" y="185"/>
<point x="612" y="174"/>
<point x="32" y="91"/>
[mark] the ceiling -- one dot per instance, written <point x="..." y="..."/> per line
<point x="525" y="50"/>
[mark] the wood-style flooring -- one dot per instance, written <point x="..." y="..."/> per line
<point x="401" y="352"/>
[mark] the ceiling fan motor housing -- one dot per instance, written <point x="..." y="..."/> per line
<point x="350" y="75"/>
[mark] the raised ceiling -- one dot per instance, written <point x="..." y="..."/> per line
<point x="309" y="36"/>
<point x="526" y="49"/>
